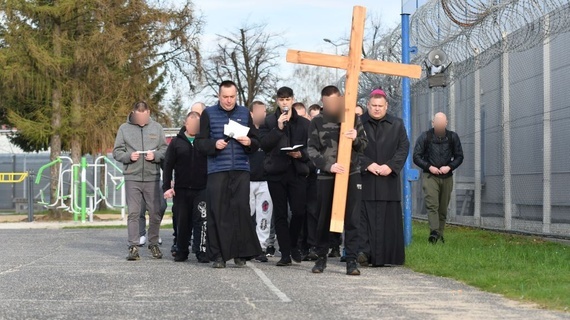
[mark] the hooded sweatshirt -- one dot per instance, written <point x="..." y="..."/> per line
<point x="132" y="137"/>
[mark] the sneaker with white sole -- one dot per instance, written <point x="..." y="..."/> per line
<point x="142" y="241"/>
<point x="155" y="251"/>
<point x="133" y="254"/>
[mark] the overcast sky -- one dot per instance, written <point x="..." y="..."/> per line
<point x="303" y="23"/>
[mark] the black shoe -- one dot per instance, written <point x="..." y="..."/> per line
<point x="433" y="237"/>
<point x="352" y="269"/>
<point x="202" y="257"/>
<point x="173" y="250"/>
<point x="296" y="255"/>
<point x="261" y="258"/>
<point x="133" y="253"/>
<point x="363" y="259"/>
<point x="181" y="257"/>
<point x="320" y="265"/>
<point x="219" y="264"/>
<point x="284" y="262"/>
<point x="312" y="255"/>
<point x="239" y="262"/>
<point x="335" y="252"/>
<point x="155" y="251"/>
<point x="270" y="251"/>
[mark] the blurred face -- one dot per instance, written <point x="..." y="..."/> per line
<point x="258" y="114"/>
<point x="333" y="105"/>
<point x="313" y="113"/>
<point x="301" y="112"/>
<point x="227" y="97"/>
<point x="377" y="108"/>
<point x="439" y="123"/>
<point x="359" y="111"/>
<point x="192" y="125"/>
<point x="140" y="117"/>
<point x="285" y="103"/>
<point x="197" y="107"/>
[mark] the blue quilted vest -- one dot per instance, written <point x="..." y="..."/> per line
<point x="232" y="157"/>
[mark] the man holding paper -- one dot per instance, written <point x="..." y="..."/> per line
<point x="227" y="135"/>
<point x="284" y="140"/>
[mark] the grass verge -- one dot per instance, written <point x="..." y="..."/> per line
<point x="518" y="267"/>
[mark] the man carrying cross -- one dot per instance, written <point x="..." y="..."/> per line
<point x="324" y="133"/>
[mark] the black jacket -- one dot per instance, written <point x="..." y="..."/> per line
<point x="256" y="172"/>
<point x="189" y="165"/>
<point x="273" y="139"/>
<point x="387" y="144"/>
<point x="439" y="152"/>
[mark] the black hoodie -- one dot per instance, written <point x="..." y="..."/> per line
<point x="191" y="166"/>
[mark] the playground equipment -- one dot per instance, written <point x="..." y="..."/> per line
<point x="19" y="177"/>
<point x="82" y="197"/>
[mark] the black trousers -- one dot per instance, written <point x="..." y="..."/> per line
<point x="190" y="211"/>
<point x="292" y="190"/>
<point x="309" y="231"/>
<point x="231" y="233"/>
<point x="325" y="190"/>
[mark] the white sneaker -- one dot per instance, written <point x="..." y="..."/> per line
<point x="159" y="240"/>
<point x="142" y="241"/>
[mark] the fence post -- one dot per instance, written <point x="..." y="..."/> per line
<point x="83" y="188"/>
<point x="30" y="194"/>
<point x="453" y="204"/>
<point x="547" y="133"/>
<point x="507" y="196"/>
<point x="477" y="146"/>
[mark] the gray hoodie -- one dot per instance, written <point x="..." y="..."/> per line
<point x="132" y="137"/>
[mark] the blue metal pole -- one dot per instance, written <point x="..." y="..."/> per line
<point x="409" y="174"/>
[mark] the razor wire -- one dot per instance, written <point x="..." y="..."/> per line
<point x="471" y="32"/>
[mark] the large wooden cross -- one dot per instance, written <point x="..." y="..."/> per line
<point x="353" y="64"/>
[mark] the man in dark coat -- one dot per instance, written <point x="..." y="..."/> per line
<point x="189" y="206"/>
<point x="287" y="172"/>
<point x="231" y="233"/>
<point x="438" y="152"/>
<point x="381" y="228"/>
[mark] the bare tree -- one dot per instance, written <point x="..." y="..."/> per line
<point x="250" y="58"/>
<point x="308" y="81"/>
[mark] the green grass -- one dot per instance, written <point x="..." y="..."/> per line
<point x="518" y="267"/>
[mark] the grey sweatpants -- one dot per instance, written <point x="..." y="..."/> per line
<point x="147" y="193"/>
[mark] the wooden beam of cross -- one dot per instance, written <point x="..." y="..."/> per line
<point x="353" y="64"/>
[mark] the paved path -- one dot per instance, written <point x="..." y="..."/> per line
<point x="83" y="274"/>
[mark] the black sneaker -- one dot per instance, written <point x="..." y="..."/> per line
<point x="363" y="259"/>
<point x="155" y="251"/>
<point x="239" y="262"/>
<point x="335" y="252"/>
<point x="312" y="255"/>
<point x="296" y="255"/>
<point x="433" y="237"/>
<point x="320" y="265"/>
<point x="202" y="257"/>
<point x="219" y="264"/>
<point x="352" y="269"/>
<point x="270" y="252"/>
<point x="181" y="257"/>
<point x="133" y="253"/>
<point x="284" y="262"/>
<point x="173" y="250"/>
<point x="261" y="258"/>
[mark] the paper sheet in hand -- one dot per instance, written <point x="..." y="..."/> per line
<point x="237" y="129"/>
<point x="296" y="147"/>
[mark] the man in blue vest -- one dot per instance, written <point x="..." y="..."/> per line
<point x="231" y="233"/>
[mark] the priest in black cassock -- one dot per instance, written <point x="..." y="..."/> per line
<point x="230" y="230"/>
<point x="381" y="228"/>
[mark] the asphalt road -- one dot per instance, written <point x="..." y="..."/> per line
<point x="83" y="274"/>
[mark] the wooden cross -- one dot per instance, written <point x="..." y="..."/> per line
<point x="353" y="64"/>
